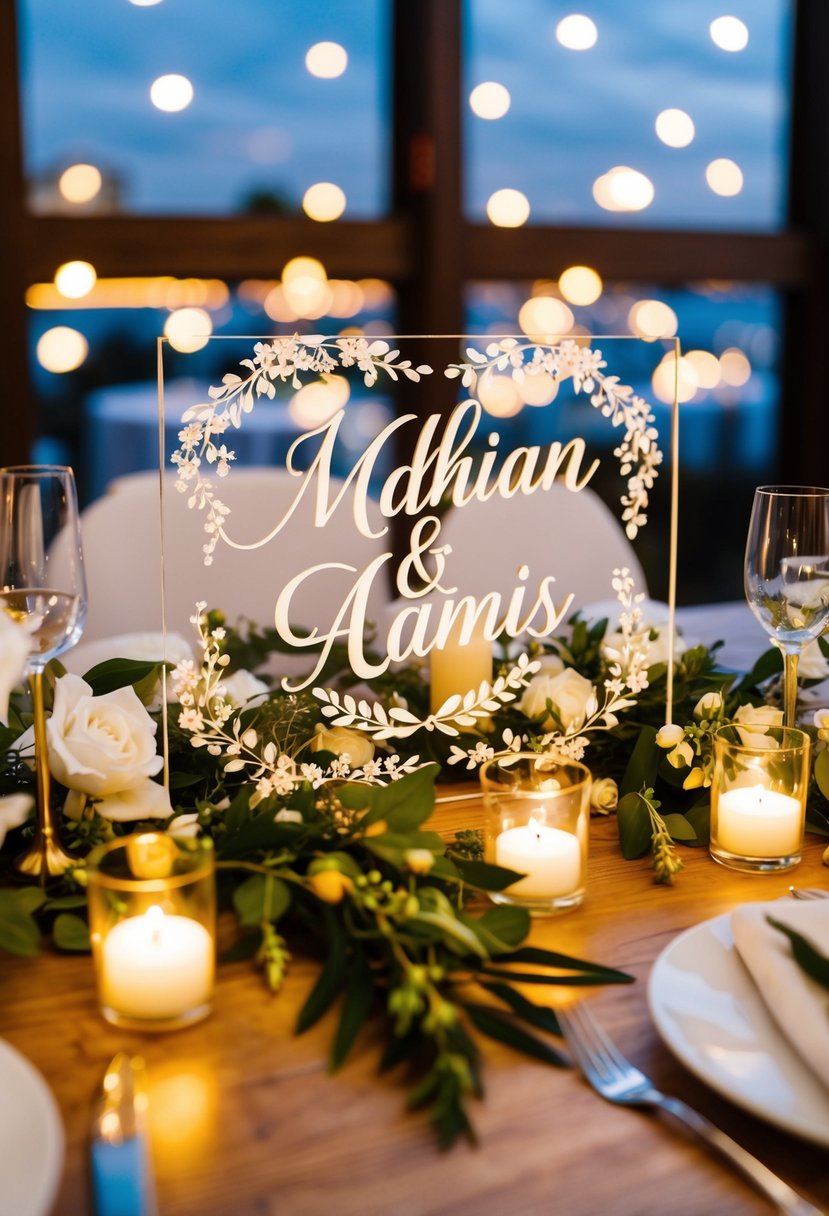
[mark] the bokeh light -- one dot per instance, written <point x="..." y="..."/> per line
<point x="675" y="128"/>
<point x="706" y="367"/>
<point x="538" y="388"/>
<point x="324" y="201"/>
<point x="61" y="349"/>
<point x="75" y="279"/>
<point x="652" y="319"/>
<point x="724" y="177"/>
<point x="623" y="189"/>
<point x="669" y="378"/>
<point x="544" y="318"/>
<point x="316" y="402"/>
<point x="577" y="32"/>
<point x="188" y="329"/>
<point x="80" y="183"/>
<point x="508" y="208"/>
<point x="580" y="285"/>
<point x="489" y="100"/>
<point x="735" y="368"/>
<point x="326" y="60"/>
<point x="499" y="395"/>
<point x="729" y="33"/>
<point x="171" y="93"/>
<point x="304" y="268"/>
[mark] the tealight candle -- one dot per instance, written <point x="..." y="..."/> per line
<point x="549" y="857"/>
<point x="536" y="824"/>
<point x="758" y="796"/>
<point x="152" y="911"/>
<point x="759" y="822"/>
<point x="156" y="966"/>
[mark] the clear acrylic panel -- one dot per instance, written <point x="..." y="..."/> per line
<point x="364" y="514"/>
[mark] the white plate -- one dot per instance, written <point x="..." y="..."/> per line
<point x="709" y="1013"/>
<point x="31" y="1138"/>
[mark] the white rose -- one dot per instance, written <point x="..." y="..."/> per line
<point x="572" y="697"/>
<point x="148" y="800"/>
<point x="100" y="745"/>
<point x="812" y="665"/>
<point x="604" y="795"/>
<point x="243" y="688"/>
<point x="708" y="706"/>
<point x="761" y="717"/>
<point x="14" y="650"/>
<point x="14" y="810"/>
<point x="343" y="741"/>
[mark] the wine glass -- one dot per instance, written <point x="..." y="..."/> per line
<point x="787" y="572"/>
<point x="42" y="585"/>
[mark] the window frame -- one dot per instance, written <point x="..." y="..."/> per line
<point x="426" y="247"/>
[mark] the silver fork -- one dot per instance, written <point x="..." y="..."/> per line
<point x="617" y="1080"/>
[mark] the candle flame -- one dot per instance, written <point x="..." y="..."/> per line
<point x="536" y="827"/>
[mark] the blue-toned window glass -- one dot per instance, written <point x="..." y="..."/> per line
<point x="646" y="112"/>
<point x="275" y="97"/>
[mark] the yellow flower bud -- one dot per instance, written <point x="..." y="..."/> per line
<point x="377" y="828"/>
<point x="331" y="886"/>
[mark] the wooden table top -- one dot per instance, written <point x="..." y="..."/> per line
<point x="245" y="1119"/>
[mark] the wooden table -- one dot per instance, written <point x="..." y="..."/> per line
<point x="246" y="1121"/>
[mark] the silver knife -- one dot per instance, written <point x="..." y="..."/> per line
<point x="122" y="1181"/>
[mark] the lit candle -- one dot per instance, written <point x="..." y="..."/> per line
<point x="457" y="666"/>
<point x="549" y="857"/>
<point x="753" y="821"/>
<point x="156" y="966"/>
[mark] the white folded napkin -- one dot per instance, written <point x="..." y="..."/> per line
<point x="798" y="1004"/>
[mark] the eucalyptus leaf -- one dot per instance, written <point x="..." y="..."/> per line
<point x="32" y="898"/>
<point x="359" y="998"/>
<point x="641" y="769"/>
<point x="699" y="818"/>
<point x="484" y="876"/>
<point x="504" y="1029"/>
<point x="261" y="898"/>
<point x="537" y="1015"/>
<point x="633" y="822"/>
<point x="680" y="828"/>
<point x="19" y="932"/>
<point x="330" y="981"/>
<point x="71" y="933"/>
<point x="121" y="673"/>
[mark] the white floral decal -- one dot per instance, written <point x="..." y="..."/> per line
<point x="638" y="453"/>
<point x="282" y="359"/>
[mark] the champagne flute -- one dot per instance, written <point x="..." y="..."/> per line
<point x="787" y="573"/>
<point x="43" y="585"/>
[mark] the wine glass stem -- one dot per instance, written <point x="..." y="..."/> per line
<point x="789" y="687"/>
<point x="44" y="806"/>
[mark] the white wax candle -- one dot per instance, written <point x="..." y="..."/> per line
<point x="457" y="667"/>
<point x="549" y="857"/>
<point x="753" y="821"/>
<point x="156" y="966"/>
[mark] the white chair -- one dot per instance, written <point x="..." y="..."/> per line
<point x="573" y="537"/>
<point x="121" y="535"/>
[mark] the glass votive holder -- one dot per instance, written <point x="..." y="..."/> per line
<point x="758" y="797"/>
<point x="152" y="924"/>
<point x="536" y="817"/>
